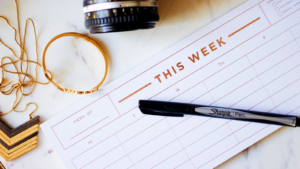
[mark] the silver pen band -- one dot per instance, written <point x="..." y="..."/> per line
<point x="242" y="115"/>
<point x="119" y="4"/>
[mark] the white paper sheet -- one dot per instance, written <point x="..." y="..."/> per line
<point x="252" y="61"/>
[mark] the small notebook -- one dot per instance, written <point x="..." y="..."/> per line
<point x="247" y="59"/>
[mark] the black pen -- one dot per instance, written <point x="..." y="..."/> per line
<point x="180" y="109"/>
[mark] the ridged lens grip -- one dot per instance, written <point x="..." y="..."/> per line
<point x="122" y="19"/>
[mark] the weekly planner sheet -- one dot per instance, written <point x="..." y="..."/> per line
<point x="247" y="59"/>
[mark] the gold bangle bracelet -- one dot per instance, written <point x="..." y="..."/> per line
<point x="86" y="38"/>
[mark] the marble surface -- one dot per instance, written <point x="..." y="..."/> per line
<point x="76" y="64"/>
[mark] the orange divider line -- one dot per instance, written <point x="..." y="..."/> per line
<point x="135" y="92"/>
<point x="243" y="27"/>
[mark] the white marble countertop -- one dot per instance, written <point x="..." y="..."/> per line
<point x="125" y="51"/>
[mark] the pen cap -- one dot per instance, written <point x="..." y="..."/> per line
<point x="165" y="107"/>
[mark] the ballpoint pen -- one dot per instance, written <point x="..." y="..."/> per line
<point x="161" y="108"/>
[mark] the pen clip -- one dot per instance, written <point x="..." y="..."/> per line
<point x="160" y="113"/>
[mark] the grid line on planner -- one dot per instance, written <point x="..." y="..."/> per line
<point x="298" y="44"/>
<point x="242" y="56"/>
<point x="263" y="85"/>
<point x="294" y="110"/>
<point x="265" y="14"/>
<point x="124" y="149"/>
<point x="294" y="38"/>
<point x="178" y="51"/>
<point x="114" y="105"/>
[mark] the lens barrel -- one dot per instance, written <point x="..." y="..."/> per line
<point x="103" y="16"/>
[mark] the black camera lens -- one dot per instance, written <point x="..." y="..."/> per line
<point x="102" y="16"/>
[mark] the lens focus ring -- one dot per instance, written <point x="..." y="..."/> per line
<point x="122" y="19"/>
<point x="100" y="17"/>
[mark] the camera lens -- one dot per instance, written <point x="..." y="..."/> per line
<point x="102" y="16"/>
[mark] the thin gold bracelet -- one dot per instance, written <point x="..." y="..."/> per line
<point x="86" y="38"/>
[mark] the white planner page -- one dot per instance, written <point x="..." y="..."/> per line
<point x="247" y="59"/>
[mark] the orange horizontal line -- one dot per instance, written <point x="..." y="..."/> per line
<point x="135" y="92"/>
<point x="243" y="27"/>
